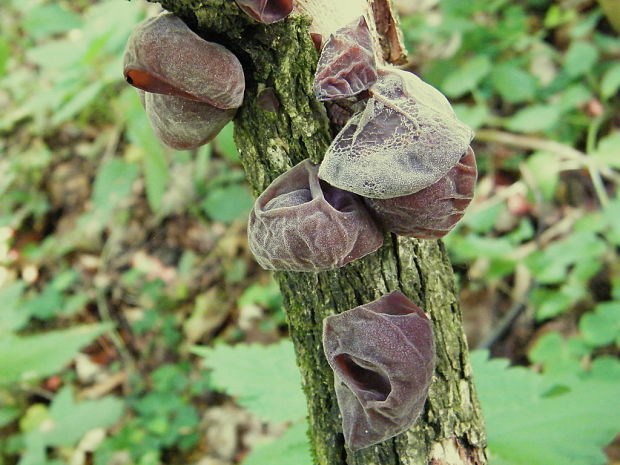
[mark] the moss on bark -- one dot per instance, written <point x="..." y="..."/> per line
<point x="282" y="57"/>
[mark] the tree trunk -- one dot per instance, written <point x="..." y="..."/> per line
<point x="281" y="56"/>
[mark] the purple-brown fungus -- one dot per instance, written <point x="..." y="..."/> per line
<point x="383" y="357"/>
<point x="347" y="64"/>
<point x="432" y="212"/>
<point x="266" y="11"/>
<point x="302" y="224"/>
<point x="406" y="139"/>
<point x="192" y="87"/>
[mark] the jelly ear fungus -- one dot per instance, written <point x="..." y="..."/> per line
<point x="302" y="224"/>
<point x="405" y="139"/>
<point x="347" y="65"/>
<point x="433" y="211"/>
<point x="192" y="87"/>
<point x="382" y="354"/>
<point x="266" y="11"/>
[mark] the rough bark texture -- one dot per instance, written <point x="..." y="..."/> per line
<point x="281" y="56"/>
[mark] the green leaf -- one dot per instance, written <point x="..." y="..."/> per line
<point x="225" y="143"/>
<point x="229" y="203"/>
<point x="12" y="315"/>
<point x="580" y="58"/>
<point x="526" y="427"/>
<point x="550" y="302"/>
<point x="33" y="357"/>
<point x="8" y="415"/>
<point x="610" y="81"/>
<point x="291" y="448"/>
<point x="602" y="327"/>
<point x="467" y="77"/>
<point x="265" y="379"/>
<point x="5" y="54"/>
<point x="472" y="116"/>
<point x="534" y="118"/>
<point x="113" y="185"/>
<point x="77" y="103"/>
<point x="45" y="20"/>
<point x="513" y="83"/>
<point x="544" y="169"/>
<point x="58" y="55"/>
<point x="72" y="420"/>
<point x="156" y="171"/>
<point x="68" y="422"/>
<point x="607" y="150"/>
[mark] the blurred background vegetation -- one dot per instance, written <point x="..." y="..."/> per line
<point x="135" y="327"/>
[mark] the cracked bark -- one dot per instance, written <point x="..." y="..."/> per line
<point x="281" y="56"/>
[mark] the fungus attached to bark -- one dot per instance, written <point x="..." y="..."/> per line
<point x="302" y="224"/>
<point x="433" y="211"/>
<point x="406" y="139"/>
<point x="266" y="11"/>
<point x="347" y="65"/>
<point x="192" y="86"/>
<point x="382" y="354"/>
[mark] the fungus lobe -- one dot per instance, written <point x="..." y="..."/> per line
<point x="383" y="357"/>
<point x="302" y="224"/>
<point x="432" y="212"/>
<point x="406" y="139"/>
<point x="347" y="64"/>
<point x="189" y="87"/>
<point x="266" y="11"/>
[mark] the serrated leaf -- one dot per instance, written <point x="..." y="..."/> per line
<point x="12" y="315"/>
<point x="607" y="150"/>
<point x="526" y="428"/>
<point x="264" y="379"/>
<point x="291" y="448"/>
<point x="33" y="357"/>
<point x="534" y="118"/>
<point x="544" y="169"/>
<point x="580" y="58"/>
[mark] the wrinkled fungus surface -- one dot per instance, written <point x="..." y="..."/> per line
<point x="181" y="123"/>
<point x="432" y="212"/>
<point x="406" y="139"/>
<point x="301" y="224"/>
<point x="266" y="11"/>
<point x="347" y="63"/>
<point x="382" y="354"/>
<point x="165" y="56"/>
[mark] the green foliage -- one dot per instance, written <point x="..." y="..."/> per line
<point x="164" y="418"/>
<point x="27" y="358"/>
<point x="65" y="423"/>
<point x="291" y="447"/>
<point x="264" y="379"/>
<point x="529" y="425"/>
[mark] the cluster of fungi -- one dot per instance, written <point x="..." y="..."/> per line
<point x="401" y="163"/>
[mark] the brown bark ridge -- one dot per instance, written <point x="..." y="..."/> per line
<point x="281" y="56"/>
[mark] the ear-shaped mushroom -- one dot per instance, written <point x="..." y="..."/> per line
<point x="189" y="87"/>
<point x="165" y="56"/>
<point x="266" y="11"/>
<point x="406" y="138"/>
<point x="302" y="224"/>
<point x="347" y="65"/>
<point x="382" y="354"/>
<point x="181" y="123"/>
<point x="432" y="212"/>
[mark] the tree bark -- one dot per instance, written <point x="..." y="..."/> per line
<point x="281" y="56"/>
